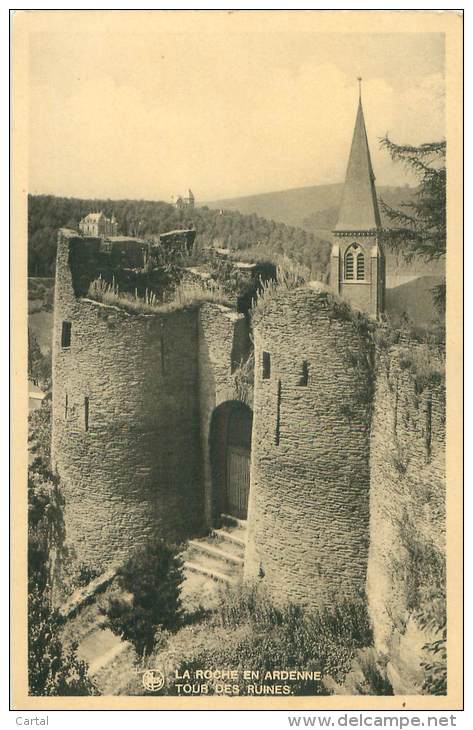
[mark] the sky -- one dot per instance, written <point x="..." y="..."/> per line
<point x="148" y="115"/>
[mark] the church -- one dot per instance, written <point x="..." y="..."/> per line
<point x="357" y="270"/>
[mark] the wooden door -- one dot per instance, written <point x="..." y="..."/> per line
<point x="238" y="481"/>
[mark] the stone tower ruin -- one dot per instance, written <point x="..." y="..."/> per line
<point x="135" y="399"/>
<point x="308" y="515"/>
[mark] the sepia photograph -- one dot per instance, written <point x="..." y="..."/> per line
<point x="232" y="234"/>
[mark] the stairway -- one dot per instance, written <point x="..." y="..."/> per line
<point x="220" y="555"/>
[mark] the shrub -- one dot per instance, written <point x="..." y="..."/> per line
<point x="148" y="595"/>
<point x="39" y="432"/>
<point x="248" y="631"/>
<point x="53" y="669"/>
<point x="46" y="530"/>
<point x="84" y="575"/>
<point x="375" y="681"/>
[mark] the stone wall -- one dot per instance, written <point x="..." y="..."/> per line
<point x="308" y="518"/>
<point x="407" y="508"/>
<point x="133" y="470"/>
<point x="223" y="344"/>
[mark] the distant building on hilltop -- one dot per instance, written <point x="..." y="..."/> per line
<point x="98" y="225"/>
<point x="181" y="203"/>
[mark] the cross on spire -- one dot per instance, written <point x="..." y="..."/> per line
<point x="359" y="87"/>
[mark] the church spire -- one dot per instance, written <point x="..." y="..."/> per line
<point x="359" y="209"/>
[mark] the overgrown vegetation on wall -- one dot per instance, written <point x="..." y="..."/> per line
<point x="184" y="295"/>
<point x="407" y="591"/>
<point x="289" y="275"/>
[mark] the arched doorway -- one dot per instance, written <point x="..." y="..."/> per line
<point x="230" y="456"/>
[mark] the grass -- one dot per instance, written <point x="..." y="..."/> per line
<point x="247" y="631"/>
<point x="186" y="295"/>
<point x="243" y="379"/>
<point x="289" y="276"/>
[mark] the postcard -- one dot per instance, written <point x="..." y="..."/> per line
<point x="237" y="360"/>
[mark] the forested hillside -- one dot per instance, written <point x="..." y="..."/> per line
<point x="314" y="208"/>
<point x="222" y="228"/>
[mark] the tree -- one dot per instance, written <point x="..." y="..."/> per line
<point x="53" y="669"/>
<point x="39" y="432"/>
<point x="148" y="597"/>
<point x="39" y="365"/>
<point x="420" y="227"/>
<point x="46" y="531"/>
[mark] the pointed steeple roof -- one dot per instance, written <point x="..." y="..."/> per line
<point x="359" y="209"/>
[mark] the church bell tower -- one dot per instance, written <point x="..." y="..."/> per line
<point x="357" y="271"/>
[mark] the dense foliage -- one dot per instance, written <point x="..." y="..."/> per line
<point x="39" y="432"/>
<point x="418" y="229"/>
<point x="53" y="668"/>
<point x="39" y="365"/>
<point x="148" y="595"/>
<point x="424" y="584"/>
<point x="47" y="213"/>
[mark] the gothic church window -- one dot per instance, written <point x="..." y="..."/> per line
<point x="354" y="268"/>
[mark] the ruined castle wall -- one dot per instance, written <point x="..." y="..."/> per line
<point x="128" y="456"/>
<point x="223" y="344"/>
<point x="308" y="518"/>
<point x="407" y="506"/>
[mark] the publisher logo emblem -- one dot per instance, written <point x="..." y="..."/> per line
<point x="153" y="680"/>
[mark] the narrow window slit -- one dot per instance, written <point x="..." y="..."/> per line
<point x="86" y="414"/>
<point x="266" y="365"/>
<point x="66" y="334"/>
<point x="304" y="377"/>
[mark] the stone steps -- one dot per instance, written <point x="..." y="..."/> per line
<point x="208" y="548"/>
<point x="209" y="572"/>
<point x="225" y="536"/>
<point x="220" y="555"/>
